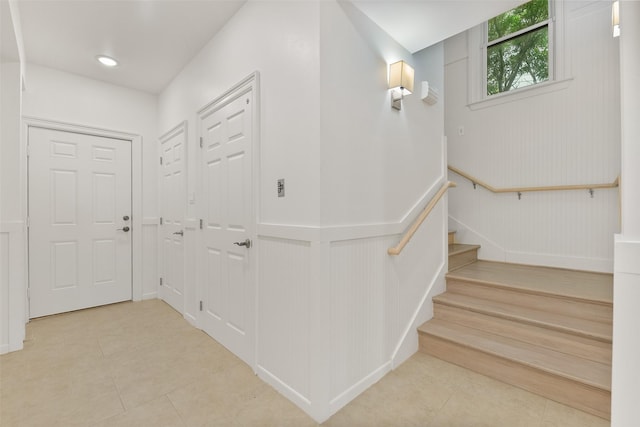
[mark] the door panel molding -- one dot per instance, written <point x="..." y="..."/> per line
<point x="237" y="331"/>
<point x="16" y="313"/>
<point x="173" y="212"/>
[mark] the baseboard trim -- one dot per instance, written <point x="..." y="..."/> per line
<point x="301" y="401"/>
<point x="355" y="390"/>
<point x="150" y="295"/>
<point x="4" y="348"/>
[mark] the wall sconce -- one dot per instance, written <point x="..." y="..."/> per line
<point x="401" y="82"/>
<point x="429" y="94"/>
<point x="615" y="18"/>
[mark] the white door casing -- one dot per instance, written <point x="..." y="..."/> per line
<point x="173" y="200"/>
<point x="79" y="195"/>
<point x="227" y="269"/>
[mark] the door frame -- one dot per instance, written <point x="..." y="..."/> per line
<point x="251" y="82"/>
<point x="182" y="127"/>
<point x="136" y="197"/>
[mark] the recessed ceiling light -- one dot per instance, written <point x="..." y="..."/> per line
<point x="107" y="61"/>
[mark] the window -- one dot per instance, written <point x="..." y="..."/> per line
<point x="517" y="48"/>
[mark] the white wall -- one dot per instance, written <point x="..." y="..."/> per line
<point x="569" y="135"/>
<point x="334" y="310"/>
<point x="626" y="341"/>
<point x="12" y="266"/>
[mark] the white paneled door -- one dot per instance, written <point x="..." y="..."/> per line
<point x="226" y="272"/>
<point x="80" y="221"/>
<point x="173" y="200"/>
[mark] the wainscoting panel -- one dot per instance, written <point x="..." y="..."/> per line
<point x="284" y="308"/>
<point x="360" y="317"/>
<point x="5" y="268"/>
<point x="13" y="298"/>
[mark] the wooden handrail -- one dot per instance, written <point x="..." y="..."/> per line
<point x="423" y="215"/>
<point x="475" y="180"/>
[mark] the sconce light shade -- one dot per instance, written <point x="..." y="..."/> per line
<point x="615" y="18"/>
<point x="401" y="76"/>
<point x="401" y="82"/>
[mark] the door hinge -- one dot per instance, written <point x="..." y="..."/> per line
<point x="201" y="142"/>
<point x="28" y="151"/>
<point x="28" y="293"/>
<point x="28" y="222"/>
<point x="160" y="220"/>
<point x="160" y="159"/>
<point x="161" y="281"/>
<point x="200" y="305"/>
<point x="201" y="224"/>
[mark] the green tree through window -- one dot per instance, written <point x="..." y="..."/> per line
<point x="518" y="47"/>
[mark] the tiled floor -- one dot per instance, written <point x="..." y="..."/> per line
<point x="141" y="364"/>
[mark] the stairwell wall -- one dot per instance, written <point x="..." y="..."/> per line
<point x="566" y="134"/>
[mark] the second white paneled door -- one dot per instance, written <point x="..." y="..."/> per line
<point x="173" y="201"/>
<point x="80" y="221"/>
<point x="226" y="272"/>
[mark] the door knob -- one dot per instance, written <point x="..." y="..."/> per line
<point x="125" y="218"/>
<point x="125" y="229"/>
<point x="180" y="233"/>
<point x="246" y="243"/>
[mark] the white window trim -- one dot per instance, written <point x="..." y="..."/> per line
<point x="558" y="64"/>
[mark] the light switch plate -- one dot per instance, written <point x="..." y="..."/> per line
<point x="281" y="187"/>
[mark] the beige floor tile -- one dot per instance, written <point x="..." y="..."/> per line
<point x="467" y="410"/>
<point x="156" y="413"/>
<point x="270" y="409"/>
<point x="217" y="397"/>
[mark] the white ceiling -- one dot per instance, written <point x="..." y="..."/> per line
<point x="416" y="24"/>
<point x="154" y="39"/>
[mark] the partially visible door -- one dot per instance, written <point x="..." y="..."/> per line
<point x="173" y="200"/>
<point x="226" y="271"/>
<point x="80" y="221"/>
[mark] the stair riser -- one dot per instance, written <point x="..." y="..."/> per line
<point x="568" y="343"/>
<point x="554" y="304"/>
<point x="580" y="396"/>
<point x="460" y="260"/>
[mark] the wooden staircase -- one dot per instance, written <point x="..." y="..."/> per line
<point x="545" y="330"/>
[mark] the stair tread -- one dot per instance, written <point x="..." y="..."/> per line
<point x="556" y="321"/>
<point x="459" y="248"/>
<point x="574" y="368"/>
<point x="583" y="285"/>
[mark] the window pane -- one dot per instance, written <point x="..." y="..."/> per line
<point x="519" y="18"/>
<point x="518" y="62"/>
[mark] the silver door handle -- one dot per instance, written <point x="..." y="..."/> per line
<point x="246" y="243"/>
<point x="180" y="233"/>
<point x="125" y="229"/>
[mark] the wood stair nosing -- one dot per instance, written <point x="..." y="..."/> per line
<point x="580" y="308"/>
<point x="571" y="344"/>
<point x="545" y="319"/>
<point x="594" y="400"/>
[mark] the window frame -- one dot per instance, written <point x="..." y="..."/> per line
<point x="549" y="23"/>
<point x="559" y="63"/>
